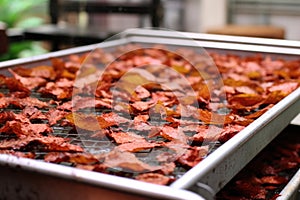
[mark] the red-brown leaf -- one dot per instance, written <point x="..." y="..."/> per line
<point x="44" y="143"/>
<point x="137" y="146"/>
<point x="154" y="178"/>
<point x="128" y="162"/>
<point x="122" y="137"/>
<point x="76" y="158"/>
<point x="193" y="156"/>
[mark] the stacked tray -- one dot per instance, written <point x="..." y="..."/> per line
<point x="203" y="180"/>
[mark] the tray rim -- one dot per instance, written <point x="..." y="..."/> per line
<point x="291" y="190"/>
<point x="96" y="178"/>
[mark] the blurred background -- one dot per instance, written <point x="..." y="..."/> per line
<point x="35" y="27"/>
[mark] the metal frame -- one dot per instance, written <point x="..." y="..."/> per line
<point x="210" y="175"/>
<point x="291" y="190"/>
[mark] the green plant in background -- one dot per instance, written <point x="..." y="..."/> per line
<point x="23" y="14"/>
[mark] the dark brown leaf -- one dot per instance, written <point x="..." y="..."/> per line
<point x="75" y="158"/>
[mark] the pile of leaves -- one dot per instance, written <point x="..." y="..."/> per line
<point x="173" y="105"/>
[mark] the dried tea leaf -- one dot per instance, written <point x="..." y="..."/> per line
<point x="76" y="158"/>
<point x="286" y="87"/>
<point x="33" y="113"/>
<point x="84" y="121"/>
<point x="122" y="137"/>
<point x="111" y="119"/>
<point x="229" y="131"/>
<point x="25" y="129"/>
<point x="136" y="146"/>
<point x="258" y="113"/>
<point x="29" y="82"/>
<point x="15" y="85"/>
<point x="193" y="156"/>
<point x="140" y="93"/>
<point x="246" y="99"/>
<point x="154" y="178"/>
<point x="127" y="161"/>
<point x="54" y="115"/>
<point x="43" y="143"/>
<point x="214" y="118"/>
<point x="205" y="133"/>
<point x="273" y="180"/>
<point x="171" y="133"/>
<point x="141" y="105"/>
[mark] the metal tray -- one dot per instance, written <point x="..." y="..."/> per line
<point x="205" y="179"/>
<point x="292" y="190"/>
<point x="269" y="156"/>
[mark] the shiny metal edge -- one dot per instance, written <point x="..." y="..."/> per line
<point x="218" y="168"/>
<point x="292" y="190"/>
<point x="62" y="53"/>
<point x="217" y="45"/>
<point x="98" y="179"/>
<point x="165" y="33"/>
<point x="296" y="120"/>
